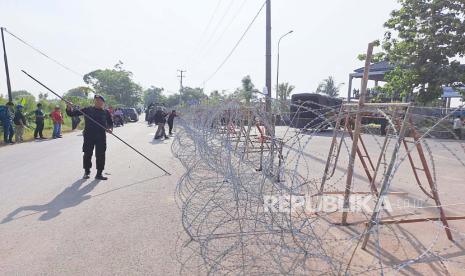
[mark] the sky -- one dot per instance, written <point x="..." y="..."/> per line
<point x="155" y="38"/>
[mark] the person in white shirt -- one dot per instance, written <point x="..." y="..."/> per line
<point x="458" y="125"/>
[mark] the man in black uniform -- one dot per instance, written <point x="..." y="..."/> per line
<point x="171" y="121"/>
<point x="94" y="135"/>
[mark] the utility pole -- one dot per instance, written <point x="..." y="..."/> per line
<point x="7" y="71"/>
<point x="181" y="87"/>
<point x="268" y="56"/>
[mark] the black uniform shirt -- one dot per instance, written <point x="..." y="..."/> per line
<point x="102" y="116"/>
<point x="171" y="117"/>
<point x="39" y="115"/>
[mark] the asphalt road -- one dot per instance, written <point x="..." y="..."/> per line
<point x="54" y="223"/>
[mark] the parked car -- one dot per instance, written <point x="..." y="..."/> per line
<point x="130" y="114"/>
<point x="459" y="112"/>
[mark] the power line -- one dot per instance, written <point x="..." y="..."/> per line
<point x="211" y="18"/>
<point x="200" y="42"/>
<point x="212" y="35"/>
<point x="236" y="45"/>
<point x="218" y="39"/>
<point x="43" y="54"/>
<point x="231" y="21"/>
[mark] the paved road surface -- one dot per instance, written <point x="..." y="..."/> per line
<point x="54" y="223"/>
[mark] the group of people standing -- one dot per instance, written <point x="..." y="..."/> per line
<point x="97" y="122"/>
<point x="158" y="116"/>
<point x="161" y="118"/>
<point x="14" y="122"/>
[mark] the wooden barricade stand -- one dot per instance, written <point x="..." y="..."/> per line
<point x="362" y="153"/>
<point x="239" y="131"/>
<point x="359" y="150"/>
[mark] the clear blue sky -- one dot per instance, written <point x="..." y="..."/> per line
<point x="155" y="38"/>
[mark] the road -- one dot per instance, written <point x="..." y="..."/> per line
<point x="54" y="223"/>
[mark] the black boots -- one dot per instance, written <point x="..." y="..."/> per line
<point x="86" y="174"/>
<point x="99" y="176"/>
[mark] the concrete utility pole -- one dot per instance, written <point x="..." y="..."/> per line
<point x="181" y="87"/>
<point x="7" y="71"/>
<point x="268" y="55"/>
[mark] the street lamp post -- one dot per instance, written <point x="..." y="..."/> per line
<point x="277" y="69"/>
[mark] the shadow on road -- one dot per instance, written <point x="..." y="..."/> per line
<point x="70" y="197"/>
<point x="158" y="141"/>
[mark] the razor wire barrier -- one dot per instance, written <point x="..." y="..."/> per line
<point x="252" y="200"/>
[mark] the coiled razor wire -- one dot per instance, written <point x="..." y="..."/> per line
<point x="222" y="197"/>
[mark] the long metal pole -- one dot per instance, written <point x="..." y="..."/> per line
<point x="268" y="56"/>
<point x="97" y="123"/>
<point x="386" y="182"/>
<point x="7" y="71"/>
<point x="331" y="149"/>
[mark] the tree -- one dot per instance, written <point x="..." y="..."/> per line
<point x="247" y="92"/>
<point x="43" y="96"/>
<point x="192" y="95"/>
<point x="285" y="90"/>
<point x="376" y="57"/>
<point x="117" y="83"/>
<point x="24" y="98"/>
<point x="172" y="100"/>
<point x="81" y="92"/>
<point x="217" y="97"/>
<point x="154" y="95"/>
<point x="329" y="87"/>
<point x="80" y="96"/>
<point x="426" y="40"/>
<point x="401" y="83"/>
<point x="3" y="99"/>
<point x="17" y="95"/>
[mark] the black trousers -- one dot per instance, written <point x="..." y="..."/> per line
<point x="39" y="129"/>
<point x="458" y="133"/>
<point x="75" y="122"/>
<point x="170" y="126"/>
<point x="100" y="144"/>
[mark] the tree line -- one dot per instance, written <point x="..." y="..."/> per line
<point x="119" y="88"/>
<point x="425" y="41"/>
